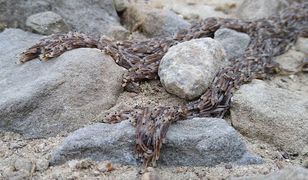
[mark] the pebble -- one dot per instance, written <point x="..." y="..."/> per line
<point x="228" y="166"/>
<point x="150" y="174"/>
<point x="234" y="43"/>
<point x="105" y="167"/>
<point x="305" y="163"/>
<point x="23" y="164"/>
<point x="189" y="73"/>
<point x="42" y="164"/>
<point x="47" y="23"/>
<point x="17" y="145"/>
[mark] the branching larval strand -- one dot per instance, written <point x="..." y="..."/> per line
<point x="269" y="37"/>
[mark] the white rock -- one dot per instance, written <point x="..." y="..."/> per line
<point x="188" y="68"/>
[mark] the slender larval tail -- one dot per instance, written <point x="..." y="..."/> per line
<point x="57" y="44"/>
<point x="270" y="37"/>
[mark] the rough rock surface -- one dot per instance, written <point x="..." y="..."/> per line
<point x="153" y="22"/>
<point x="120" y="5"/>
<point x="193" y="10"/>
<point x="15" y="12"/>
<point x="113" y="142"/>
<point x="90" y="17"/>
<point x="291" y="60"/>
<point x="302" y="45"/>
<point x="294" y="173"/>
<point x="47" y="23"/>
<point x="235" y="43"/>
<point x="42" y="99"/>
<point x="198" y="142"/>
<point x="187" y="74"/>
<point x="118" y="33"/>
<point x="251" y="9"/>
<point x="275" y="115"/>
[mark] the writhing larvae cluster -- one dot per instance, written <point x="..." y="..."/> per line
<point x="269" y="37"/>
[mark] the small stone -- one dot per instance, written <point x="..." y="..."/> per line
<point x="234" y="43"/>
<point x="262" y="147"/>
<point x="42" y="164"/>
<point x="17" y="145"/>
<point x="153" y="22"/>
<point x="189" y="73"/>
<point x="84" y="164"/>
<point x="23" y="164"/>
<point x="120" y="5"/>
<point x="118" y="33"/>
<point x="252" y="9"/>
<point x="291" y="60"/>
<point x="194" y="11"/>
<point x="92" y="17"/>
<point x="277" y="155"/>
<point x="228" y="166"/>
<point x="302" y="45"/>
<point x="305" y="163"/>
<point x="72" y="164"/>
<point x="150" y="174"/>
<point x="304" y="151"/>
<point x="47" y="23"/>
<point x="17" y="175"/>
<point x="106" y="167"/>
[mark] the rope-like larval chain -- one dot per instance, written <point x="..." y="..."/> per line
<point x="269" y="37"/>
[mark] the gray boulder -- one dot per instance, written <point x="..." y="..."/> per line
<point x="251" y="9"/>
<point x="14" y="13"/>
<point x="153" y="22"/>
<point x="294" y="173"/>
<point x="47" y="23"/>
<point x="291" y="60"/>
<point x="196" y="142"/>
<point x="235" y="43"/>
<point x="277" y="116"/>
<point x="112" y="142"/>
<point x="90" y="17"/>
<point x="188" y="74"/>
<point x="40" y="99"/>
